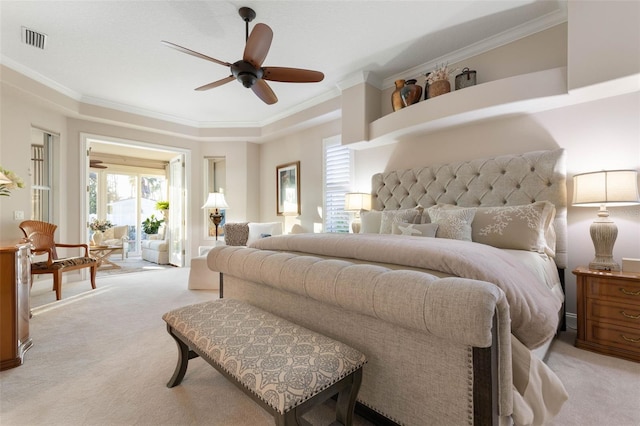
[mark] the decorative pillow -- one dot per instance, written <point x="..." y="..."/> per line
<point x="236" y="233"/>
<point x="370" y="221"/>
<point x="454" y="224"/>
<point x="256" y="229"/>
<point x="417" y="230"/>
<point x="524" y="227"/>
<point x="389" y="217"/>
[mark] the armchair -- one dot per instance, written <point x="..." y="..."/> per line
<point x="118" y="236"/>
<point x="41" y="236"/>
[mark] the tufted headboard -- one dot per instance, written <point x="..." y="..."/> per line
<point x="506" y="180"/>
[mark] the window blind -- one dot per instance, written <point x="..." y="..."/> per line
<point x="338" y="165"/>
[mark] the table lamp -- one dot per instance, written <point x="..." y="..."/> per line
<point x="611" y="188"/>
<point x="354" y="202"/>
<point x="216" y="201"/>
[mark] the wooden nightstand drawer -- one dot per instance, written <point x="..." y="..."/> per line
<point x="613" y="336"/>
<point x="612" y="312"/>
<point x="608" y="305"/>
<point x="613" y="288"/>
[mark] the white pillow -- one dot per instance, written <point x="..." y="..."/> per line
<point x="454" y="224"/>
<point x="416" y="230"/>
<point x="370" y="221"/>
<point x="259" y="230"/>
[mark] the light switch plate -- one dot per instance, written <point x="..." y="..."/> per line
<point x="18" y="215"/>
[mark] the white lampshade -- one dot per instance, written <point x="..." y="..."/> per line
<point x="606" y="188"/>
<point x="215" y="200"/>
<point x="611" y="188"/>
<point x="356" y="201"/>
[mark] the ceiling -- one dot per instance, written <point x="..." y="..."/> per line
<point x="108" y="53"/>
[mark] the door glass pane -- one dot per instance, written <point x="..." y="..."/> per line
<point x="122" y="204"/>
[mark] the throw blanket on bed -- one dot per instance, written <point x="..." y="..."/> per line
<point x="533" y="308"/>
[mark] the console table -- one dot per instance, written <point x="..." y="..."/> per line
<point x="15" y="284"/>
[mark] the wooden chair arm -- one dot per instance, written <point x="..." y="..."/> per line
<point x="86" y="247"/>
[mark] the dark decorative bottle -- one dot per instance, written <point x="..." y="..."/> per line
<point x="426" y="86"/>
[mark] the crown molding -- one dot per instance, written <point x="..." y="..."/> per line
<point x="36" y="76"/>
<point x="359" y="78"/>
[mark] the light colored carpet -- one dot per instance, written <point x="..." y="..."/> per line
<point x="129" y="265"/>
<point x="103" y="357"/>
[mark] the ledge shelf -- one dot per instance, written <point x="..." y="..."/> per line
<point x="524" y="93"/>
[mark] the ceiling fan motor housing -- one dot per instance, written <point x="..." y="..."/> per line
<point x="246" y="73"/>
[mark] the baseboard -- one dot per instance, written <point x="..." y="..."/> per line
<point x="572" y="321"/>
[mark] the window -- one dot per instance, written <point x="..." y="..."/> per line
<point x="41" y="175"/>
<point x="337" y="166"/>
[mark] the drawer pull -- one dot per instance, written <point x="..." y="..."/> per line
<point x="629" y="339"/>
<point x="630" y="293"/>
<point x="626" y="315"/>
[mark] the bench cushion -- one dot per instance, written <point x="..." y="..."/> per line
<point x="280" y="362"/>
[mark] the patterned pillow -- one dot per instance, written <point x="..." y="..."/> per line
<point x="524" y="227"/>
<point x="454" y="224"/>
<point x="389" y="217"/>
<point x="236" y="234"/>
<point x="416" y="230"/>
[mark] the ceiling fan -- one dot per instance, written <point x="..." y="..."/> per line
<point x="96" y="164"/>
<point x="249" y="70"/>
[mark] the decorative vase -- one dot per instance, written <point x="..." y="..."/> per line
<point x="96" y="238"/>
<point x="396" y="98"/>
<point x="426" y="86"/>
<point x="410" y="93"/>
<point x="439" y="87"/>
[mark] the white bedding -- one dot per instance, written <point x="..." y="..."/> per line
<point x="534" y="307"/>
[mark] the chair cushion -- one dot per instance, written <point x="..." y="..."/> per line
<point x="157" y="245"/>
<point x="62" y="263"/>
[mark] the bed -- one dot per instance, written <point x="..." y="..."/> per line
<point x="455" y="327"/>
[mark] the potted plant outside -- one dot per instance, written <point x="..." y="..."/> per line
<point x="163" y="207"/>
<point x="151" y="225"/>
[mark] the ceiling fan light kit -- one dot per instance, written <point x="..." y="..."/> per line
<point x="249" y="70"/>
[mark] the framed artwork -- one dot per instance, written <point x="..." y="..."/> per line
<point x="288" y="189"/>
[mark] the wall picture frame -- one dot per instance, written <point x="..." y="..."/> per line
<point x="288" y="189"/>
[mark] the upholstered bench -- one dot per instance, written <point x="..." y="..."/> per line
<point x="285" y="368"/>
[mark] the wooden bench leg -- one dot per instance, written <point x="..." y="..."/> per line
<point x="184" y="355"/>
<point x="347" y="399"/>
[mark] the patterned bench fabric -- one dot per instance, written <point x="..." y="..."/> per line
<point x="62" y="263"/>
<point x="280" y="362"/>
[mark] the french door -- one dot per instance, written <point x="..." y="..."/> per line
<point x="126" y="198"/>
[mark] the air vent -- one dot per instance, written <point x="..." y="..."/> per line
<point x="34" y="38"/>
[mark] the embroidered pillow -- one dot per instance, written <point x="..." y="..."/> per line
<point x="454" y="224"/>
<point x="389" y="217"/>
<point x="524" y="227"/>
<point x="370" y="221"/>
<point x="416" y="230"/>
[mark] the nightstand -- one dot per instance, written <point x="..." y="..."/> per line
<point x="609" y="312"/>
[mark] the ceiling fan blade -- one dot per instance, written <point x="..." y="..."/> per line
<point x="264" y="92"/>
<point x="216" y="83"/>
<point x="194" y="53"/>
<point x="292" y="75"/>
<point x="258" y="45"/>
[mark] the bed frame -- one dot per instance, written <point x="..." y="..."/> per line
<point x="501" y="181"/>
